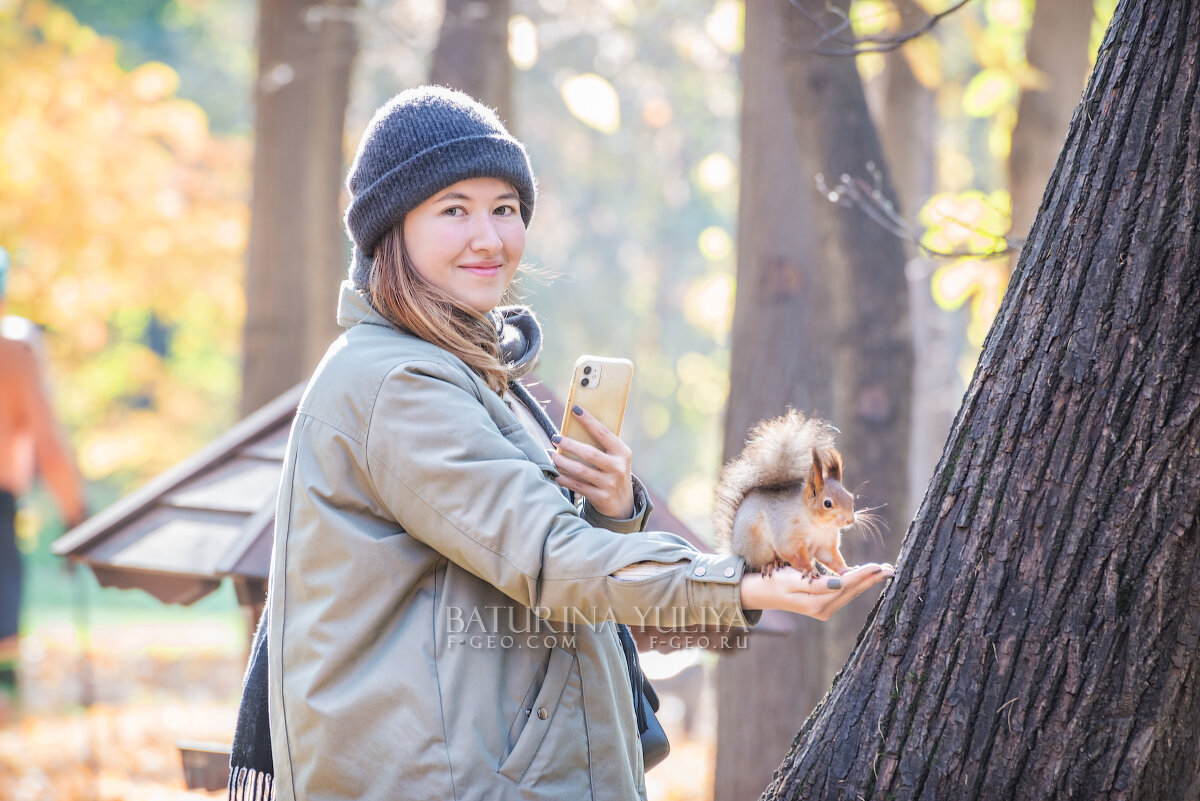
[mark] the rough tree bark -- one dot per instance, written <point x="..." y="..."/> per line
<point x="1040" y="637"/>
<point x="296" y="259"/>
<point x="1057" y="46"/>
<point x="472" y="53"/>
<point x="820" y="324"/>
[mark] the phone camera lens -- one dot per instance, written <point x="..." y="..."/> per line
<point x="584" y="382"/>
<point x="587" y="371"/>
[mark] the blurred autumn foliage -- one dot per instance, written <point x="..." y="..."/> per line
<point x="126" y="220"/>
<point x="976" y="65"/>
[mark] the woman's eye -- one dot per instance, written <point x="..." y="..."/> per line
<point x="505" y="211"/>
<point x="454" y="211"/>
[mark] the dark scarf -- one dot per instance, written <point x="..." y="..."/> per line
<point x="251" y="766"/>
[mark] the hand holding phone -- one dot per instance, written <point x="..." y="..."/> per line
<point x="593" y="461"/>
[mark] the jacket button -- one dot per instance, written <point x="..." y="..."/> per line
<point x="700" y="571"/>
<point x="542" y="713"/>
<point x="729" y="571"/>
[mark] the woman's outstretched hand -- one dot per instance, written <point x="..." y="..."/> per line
<point x="606" y="479"/>
<point x="790" y="590"/>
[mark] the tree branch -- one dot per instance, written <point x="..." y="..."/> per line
<point x="852" y="192"/>
<point x="854" y="46"/>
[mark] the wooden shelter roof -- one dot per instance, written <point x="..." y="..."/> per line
<point x="209" y="517"/>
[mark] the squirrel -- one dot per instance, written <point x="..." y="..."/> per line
<point x="782" y="500"/>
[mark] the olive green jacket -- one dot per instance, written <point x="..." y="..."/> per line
<point x="432" y="591"/>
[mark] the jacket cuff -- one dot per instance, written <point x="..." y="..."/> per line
<point x="714" y="585"/>
<point x="629" y="525"/>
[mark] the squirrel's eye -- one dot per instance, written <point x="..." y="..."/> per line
<point x="828" y="504"/>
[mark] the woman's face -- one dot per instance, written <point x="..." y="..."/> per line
<point x="467" y="240"/>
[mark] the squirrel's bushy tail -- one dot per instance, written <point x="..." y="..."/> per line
<point x="778" y="453"/>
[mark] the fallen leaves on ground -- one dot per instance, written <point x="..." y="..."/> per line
<point x="149" y="686"/>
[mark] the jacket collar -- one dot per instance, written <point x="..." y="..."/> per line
<point x="354" y="308"/>
<point x="518" y="329"/>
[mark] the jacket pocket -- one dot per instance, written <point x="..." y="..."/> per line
<point x="535" y="715"/>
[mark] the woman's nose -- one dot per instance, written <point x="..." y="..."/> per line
<point x="484" y="236"/>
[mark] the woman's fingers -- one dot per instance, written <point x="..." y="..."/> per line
<point x="854" y="583"/>
<point x="585" y="453"/>
<point x="583" y="468"/>
<point x="788" y="588"/>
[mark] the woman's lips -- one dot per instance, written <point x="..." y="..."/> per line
<point x="482" y="269"/>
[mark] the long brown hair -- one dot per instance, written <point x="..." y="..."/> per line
<point x="409" y="301"/>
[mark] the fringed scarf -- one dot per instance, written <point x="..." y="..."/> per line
<point x="251" y="767"/>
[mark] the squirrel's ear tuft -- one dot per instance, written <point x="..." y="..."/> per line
<point x="833" y="465"/>
<point x="816" y="481"/>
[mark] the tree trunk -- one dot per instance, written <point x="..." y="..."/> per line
<point x="864" y="266"/>
<point x="1040" y="637"/>
<point x="819" y="324"/>
<point x="296" y="257"/>
<point x="472" y="53"/>
<point x="1057" y="46"/>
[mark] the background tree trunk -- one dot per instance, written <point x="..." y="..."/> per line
<point x="907" y="110"/>
<point x="472" y="53"/>
<point x="296" y="257"/>
<point x="779" y="346"/>
<point x="1040" y="637"/>
<point x="820" y="324"/>
<point x="1057" y="46"/>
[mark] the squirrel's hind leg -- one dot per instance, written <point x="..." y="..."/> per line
<point x="773" y="565"/>
<point x="752" y="540"/>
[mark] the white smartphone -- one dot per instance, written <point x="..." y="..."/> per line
<point x="601" y="385"/>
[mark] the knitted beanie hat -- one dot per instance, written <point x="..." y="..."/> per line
<point x="420" y="142"/>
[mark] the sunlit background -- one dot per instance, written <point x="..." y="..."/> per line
<point x="125" y="179"/>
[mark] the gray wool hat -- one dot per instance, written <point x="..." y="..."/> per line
<point x="422" y="141"/>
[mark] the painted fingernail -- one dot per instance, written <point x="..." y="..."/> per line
<point x="834" y="584"/>
<point x="577" y="410"/>
<point x="556" y="439"/>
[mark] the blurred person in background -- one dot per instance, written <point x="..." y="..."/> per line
<point x="30" y="442"/>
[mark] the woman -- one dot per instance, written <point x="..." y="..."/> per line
<point x="441" y="618"/>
